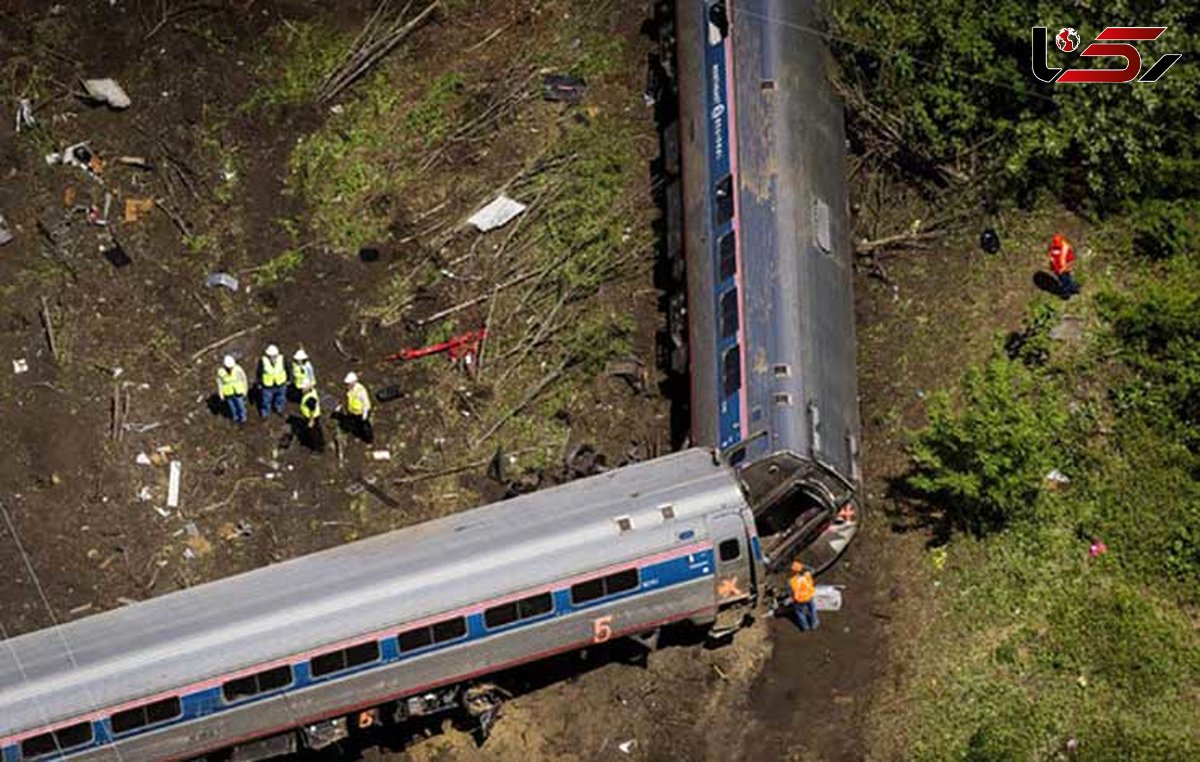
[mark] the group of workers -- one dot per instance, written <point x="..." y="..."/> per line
<point x="233" y="387"/>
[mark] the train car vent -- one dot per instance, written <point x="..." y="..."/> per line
<point x="783" y="371"/>
<point x="783" y="398"/>
<point x="667" y="511"/>
<point x="624" y="523"/>
<point x="821" y="232"/>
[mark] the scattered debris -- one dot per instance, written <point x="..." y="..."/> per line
<point x="107" y="91"/>
<point x="1097" y="548"/>
<point x="563" y="87"/>
<point x="144" y="494"/>
<point x="627" y="746"/>
<point x="222" y="279"/>
<point x="496" y="214"/>
<point x="136" y="207"/>
<point x="5" y="234"/>
<point x="381" y="455"/>
<point x="78" y="155"/>
<point x="828" y="598"/>
<point x="139" y="162"/>
<point x="388" y="393"/>
<point x="631" y="371"/>
<point x="939" y="557"/>
<point x="25" y="118"/>
<point x="48" y="325"/>
<point x="142" y="459"/>
<point x="20" y="366"/>
<point x="230" y="531"/>
<point x="162" y="512"/>
<point x="1056" y="479"/>
<point x="173" y="484"/>
<point x="80" y="609"/>
<point x="989" y="241"/>
<point x="368" y="254"/>
<point x="464" y="348"/>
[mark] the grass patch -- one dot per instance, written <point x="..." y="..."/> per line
<point x="279" y="267"/>
<point x="295" y="58"/>
<point x="1037" y="642"/>
<point x="352" y="171"/>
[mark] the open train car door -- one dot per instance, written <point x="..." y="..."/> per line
<point x="734" y="570"/>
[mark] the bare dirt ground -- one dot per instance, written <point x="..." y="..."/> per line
<point x="71" y="489"/>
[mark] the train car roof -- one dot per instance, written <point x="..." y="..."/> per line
<point x="286" y="609"/>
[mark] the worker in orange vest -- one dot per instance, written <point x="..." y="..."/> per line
<point x="1062" y="255"/>
<point x="804" y="608"/>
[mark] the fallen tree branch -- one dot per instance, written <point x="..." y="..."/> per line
<point x="219" y="342"/>
<point x="529" y="397"/>
<point x="371" y="47"/>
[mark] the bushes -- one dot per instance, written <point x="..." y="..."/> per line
<point x="986" y="461"/>
<point x="1165" y="229"/>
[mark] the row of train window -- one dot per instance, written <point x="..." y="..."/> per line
<point x="731" y="361"/>
<point x="276" y="678"/>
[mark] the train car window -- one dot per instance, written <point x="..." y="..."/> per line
<point x="414" y="639"/>
<point x="260" y="682"/>
<point x="729" y="313"/>
<point x="535" y="605"/>
<point x="621" y="581"/>
<point x="729" y="550"/>
<point x="148" y="714"/>
<point x="60" y="740"/>
<point x="727" y="256"/>
<point x="718" y="22"/>
<point x="732" y="366"/>
<point x="587" y="591"/>
<point x="451" y="629"/>
<point x="724" y="199"/>
<point x="336" y="661"/>
<point x="498" y="616"/>
<point x="363" y="653"/>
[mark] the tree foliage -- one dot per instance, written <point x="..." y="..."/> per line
<point x="936" y="79"/>
<point x="985" y="459"/>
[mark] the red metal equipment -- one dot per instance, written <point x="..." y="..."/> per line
<point x="459" y="347"/>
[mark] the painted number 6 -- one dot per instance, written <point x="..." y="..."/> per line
<point x="602" y="629"/>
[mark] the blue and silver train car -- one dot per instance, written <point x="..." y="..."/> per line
<point x="770" y="310"/>
<point x="401" y="625"/>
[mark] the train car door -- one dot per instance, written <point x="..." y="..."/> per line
<point x="733" y="565"/>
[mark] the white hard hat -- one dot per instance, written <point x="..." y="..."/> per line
<point x="272" y="350"/>
<point x="352" y="377"/>
<point x="229" y="362"/>
<point x="300" y="355"/>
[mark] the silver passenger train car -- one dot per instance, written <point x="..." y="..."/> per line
<point x="768" y="266"/>
<point x="412" y="623"/>
<point x="396" y="626"/>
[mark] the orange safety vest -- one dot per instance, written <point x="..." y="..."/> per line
<point x="1061" y="258"/>
<point x="803" y="588"/>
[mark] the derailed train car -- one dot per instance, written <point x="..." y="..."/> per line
<point x="401" y="625"/>
<point x="408" y="624"/>
<point x="766" y="260"/>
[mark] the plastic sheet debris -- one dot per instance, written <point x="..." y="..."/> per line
<point x="5" y="234"/>
<point x="20" y="366"/>
<point x="25" y="118"/>
<point x="828" y="598"/>
<point x="1056" y="479"/>
<point x="142" y="459"/>
<point x="496" y="214"/>
<point x="381" y="455"/>
<point x="563" y="87"/>
<point x="144" y="494"/>
<point x="173" y="484"/>
<point x="78" y="155"/>
<point x="222" y="279"/>
<point x="107" y="91"/>
<point x="627" y="746"/>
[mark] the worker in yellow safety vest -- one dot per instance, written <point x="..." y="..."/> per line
<point x="310" y="407"/>
<point x="232" y="388"/>
<point x="358" y="408"/>
<point x="804" y="590"/>
<point x="273" y="382"/>
<point x="303" y="375"/>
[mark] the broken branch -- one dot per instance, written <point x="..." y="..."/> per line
<point x="220" y="342"/>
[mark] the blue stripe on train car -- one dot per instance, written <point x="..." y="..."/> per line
<point x="202" y="703"/>
<point x="729" y="413"/>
